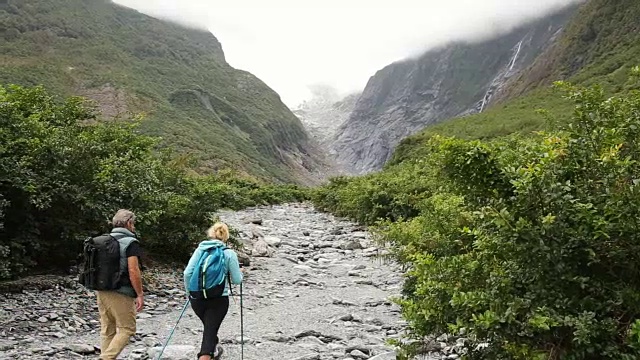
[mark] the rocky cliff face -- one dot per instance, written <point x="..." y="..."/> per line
<point x="602" y="39"/>
<point x="453" y="80"/>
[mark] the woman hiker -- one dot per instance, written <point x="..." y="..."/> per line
<point x="212" y="303"/>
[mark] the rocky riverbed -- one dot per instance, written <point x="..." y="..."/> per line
<point x="315" y="289"/>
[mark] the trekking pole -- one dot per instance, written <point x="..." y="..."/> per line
<point x="241" y="327"/>
<point x="174" y="329"/>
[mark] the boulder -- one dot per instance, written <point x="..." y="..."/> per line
<point x="261" y="249"/>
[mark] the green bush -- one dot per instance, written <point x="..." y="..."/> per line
<point x="528" y="245"/>
<point x="393" y="195"/>
<point x="535" y="249"/>
<point x="63" y="175"/>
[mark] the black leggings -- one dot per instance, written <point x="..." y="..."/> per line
<point x="211" y="312"/>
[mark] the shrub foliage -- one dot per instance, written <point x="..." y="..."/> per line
<point x="63" y="175"/>
<point x="528" y="247"/>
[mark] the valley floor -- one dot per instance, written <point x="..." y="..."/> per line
<point x="314" y="298"/>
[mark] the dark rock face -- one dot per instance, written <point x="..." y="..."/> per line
<point x="450" y="81"/>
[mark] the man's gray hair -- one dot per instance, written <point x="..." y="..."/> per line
<point x="122" y="217"/>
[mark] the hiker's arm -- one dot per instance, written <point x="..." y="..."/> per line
<point x="134" y="274"/>
<point x="234" y="269"/>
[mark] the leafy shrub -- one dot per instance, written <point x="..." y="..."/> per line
<point x="540" y="261"/>
<point x="63" y="175"/>
<point x="393" y="195"/>
<point x="525" y="246"/>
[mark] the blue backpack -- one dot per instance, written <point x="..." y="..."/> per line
<point x="207" y="280"/>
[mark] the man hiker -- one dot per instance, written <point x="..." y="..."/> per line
<point x="118" y="307"/>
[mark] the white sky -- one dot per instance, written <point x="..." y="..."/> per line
<point x="290" y="44"/>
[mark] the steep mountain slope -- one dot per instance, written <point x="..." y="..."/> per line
<point x="600" y="45"/>
<point x="454" y="80"/>
<point x="130" y="63"/>
<point x="322" y="115"/>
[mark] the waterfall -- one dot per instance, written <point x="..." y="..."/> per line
<point x="515" y="57"/>
<point x="502" y="76"/>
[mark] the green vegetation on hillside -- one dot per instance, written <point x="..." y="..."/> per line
<point x="527" y="246"/>
<point x="598" y="46"/>
<point x="63" y="176"/>
<point x="131" y="63"/>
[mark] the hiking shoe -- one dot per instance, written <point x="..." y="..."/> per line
<point x="218" y="353"/>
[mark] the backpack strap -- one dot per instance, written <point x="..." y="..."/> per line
<point x="201" y="268"/>
<point x="228" y="273"/>
<point x="124" y="242"/>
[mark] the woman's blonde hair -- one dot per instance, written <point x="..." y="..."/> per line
<point x="219" y="231"/>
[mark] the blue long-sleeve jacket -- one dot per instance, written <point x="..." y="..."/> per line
<point x="231" y="263"/>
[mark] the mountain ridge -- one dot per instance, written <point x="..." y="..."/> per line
<point x="452" y="80"/>
<point x="131" y="63"/>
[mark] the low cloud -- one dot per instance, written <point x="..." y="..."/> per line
<point x="291" y="44"/>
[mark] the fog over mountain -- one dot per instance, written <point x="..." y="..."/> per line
<point x="292" y="44"/>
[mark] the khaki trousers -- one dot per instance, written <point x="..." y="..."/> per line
<point x="117" y="312"/>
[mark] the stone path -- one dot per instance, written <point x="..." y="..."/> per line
<point x="314" y="290"/>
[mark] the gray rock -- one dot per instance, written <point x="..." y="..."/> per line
<point x="256" y="233"/>
<point x="347" y="317"/>
<point x="277" y="338"/>
<point x="374" y="321"/>
<point x="41" y="349"/>
<point x="243" y="258"/>
<point x="359" y="234"/>
<point x="272" y="240"/>
<point x="362" y="348"/>
<point x="363" y="282"/>
<point x="151" y="342"/>
<point x="79" y="320"/>
<point x="307" y="333"/>
<point x="386" y="356"/>
<point x="81" y="348"/>
<point x="138" y="354"/>
<point x="173" y="352"/>
<point x="6" y="345"/>
<point x="256" y="221"/>
<point x="351" y="245"/>
<point x="342" y="302"/>
<point x="261" y="249"/>
<point x="358" y="354"/>
<point x="309" y="357"/>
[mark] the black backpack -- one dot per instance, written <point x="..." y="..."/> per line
<point x="100" y="269"/>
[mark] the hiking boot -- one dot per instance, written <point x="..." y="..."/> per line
<point x="218" y="353"/>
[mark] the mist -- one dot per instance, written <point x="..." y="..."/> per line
<point x="292" y="44"/>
